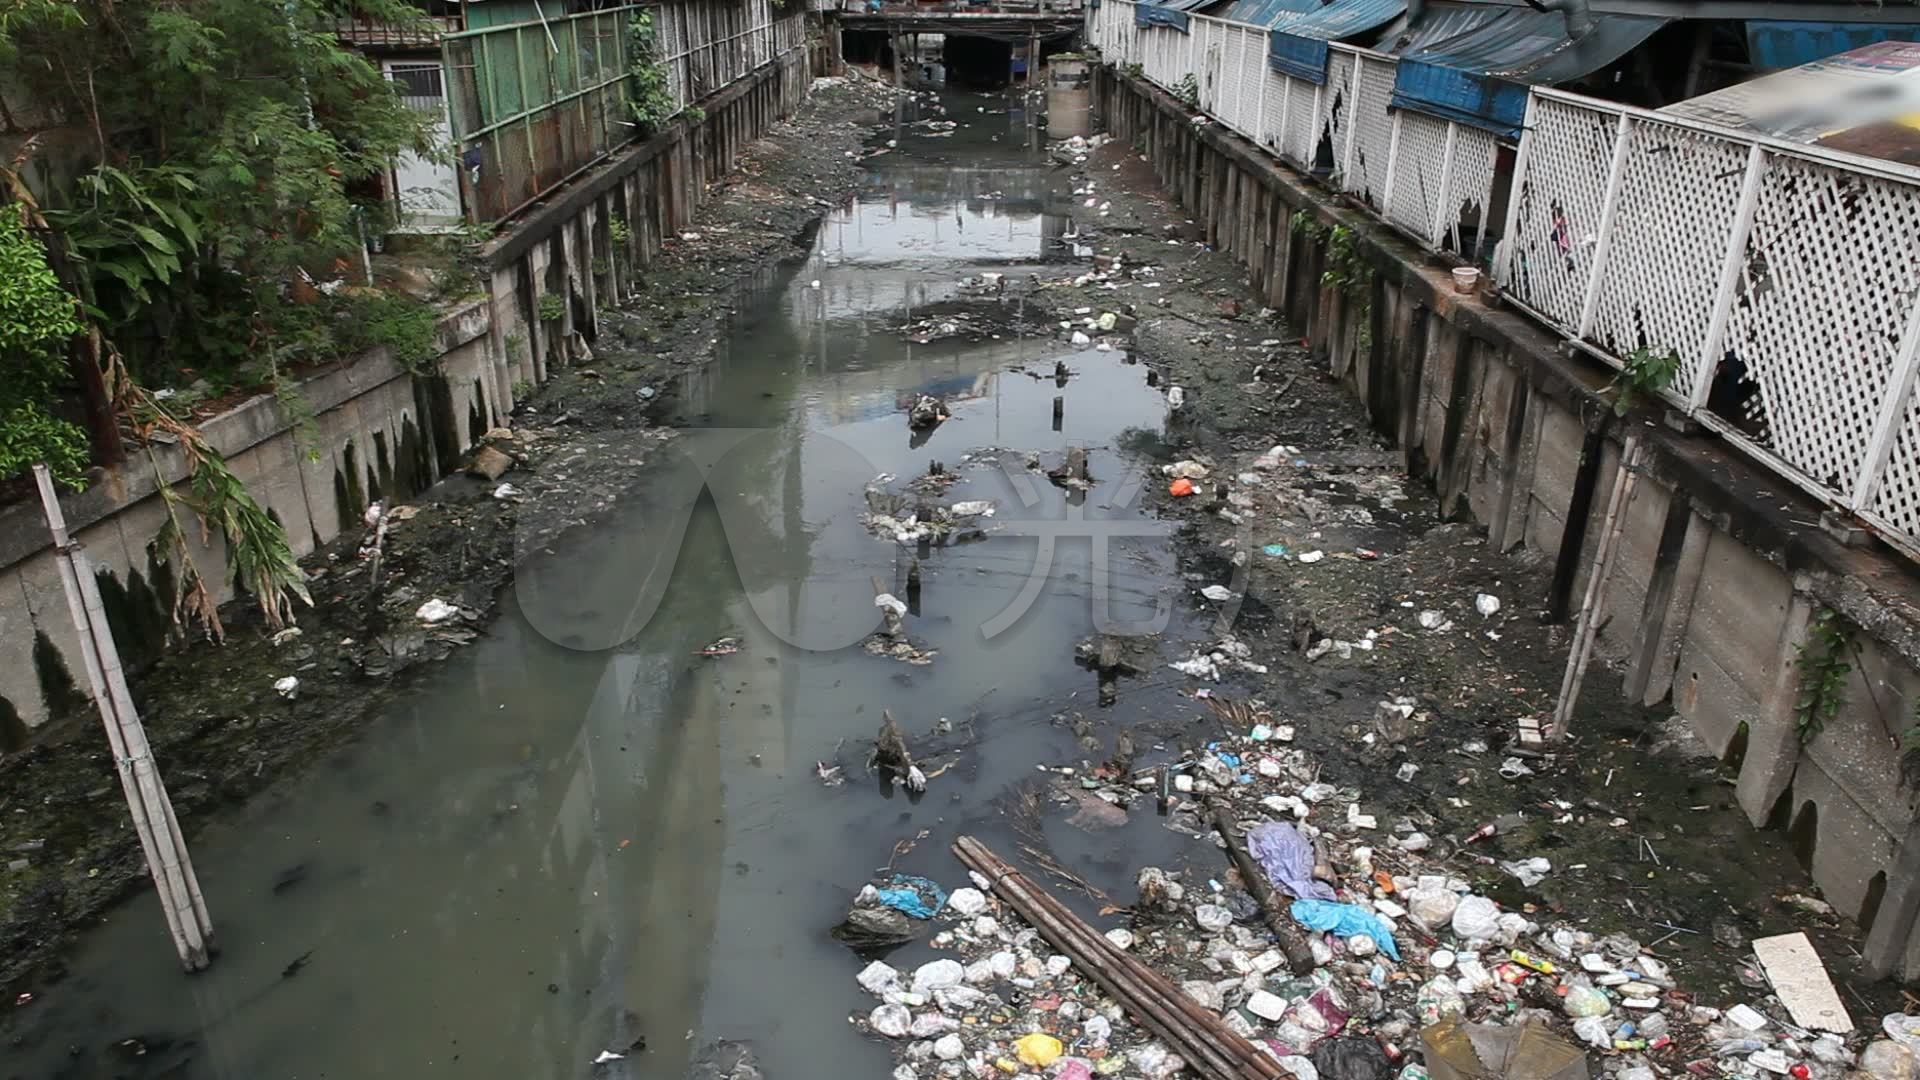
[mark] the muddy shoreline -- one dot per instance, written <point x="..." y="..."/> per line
<point x="222" y="735"/>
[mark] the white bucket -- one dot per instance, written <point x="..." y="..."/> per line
<point x="1466" y="279"/>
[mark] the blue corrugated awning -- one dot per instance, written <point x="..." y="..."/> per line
<point x="1776" y="44"/>
<point x="1145" y="15"/>
<point x="1299" y="47"/>
<point x="1474" y="65"/>
<point x="1268" y="12"/>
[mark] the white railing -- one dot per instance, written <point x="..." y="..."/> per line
<point x="1786" y="278"/>
<point x="1430" y="178"/>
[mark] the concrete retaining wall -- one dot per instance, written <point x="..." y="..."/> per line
<point x="1722" y="567"/>
<point x="379" y="430"/>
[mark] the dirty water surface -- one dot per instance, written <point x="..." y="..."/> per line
<point x="585" y="835"/>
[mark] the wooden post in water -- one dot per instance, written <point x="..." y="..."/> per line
<point x="153" y="818"/>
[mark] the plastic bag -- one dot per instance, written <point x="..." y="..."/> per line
<point x="1038" y="1049"/>
<point x="916" y="896"/>
<point x="1351" y="1059"/>
<point x="1583" y="1000"/>
<point x="1476" y="918"/>
<point x="1346" y="920"/>
<point x="1287" y="858"/>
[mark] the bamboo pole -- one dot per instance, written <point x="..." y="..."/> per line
<point x="1293" y="941"/>
<point x="1193" y="1031"/>
<point x="1199" y="1036"/>
<point x="1582" y="649"/>
<point x="160" y="839"/>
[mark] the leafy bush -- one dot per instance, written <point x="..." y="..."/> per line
<point x="232" y="139"/>
<point x="648" y="98"/>
<point x="37" y="318"/>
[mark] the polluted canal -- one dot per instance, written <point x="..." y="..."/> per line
<point x="937" y="470"/>
<point x="585" y="835"/>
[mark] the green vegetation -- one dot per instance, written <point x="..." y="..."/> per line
<point x="236" y="146"/>
<point x="37" y="319"/>
<point x="1644" y="371"/>
<point x="551" y="308"/>
<point x="1188" y="91"/>
<point x="206" y="244"/>
<point x="1823" y="673"/>
<point x="1346" y="269"/>
<point x="408" y="329"/>
<point x="619" y="230"/>
<point x="648" y="98"/>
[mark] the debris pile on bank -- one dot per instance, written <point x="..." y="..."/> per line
<point x="1411" y="972"/>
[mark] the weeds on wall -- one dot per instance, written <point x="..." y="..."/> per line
<point x="550" y="308"/>
<point x="1643" y="372"/>
<point x="648" y="98"/>
<point x="1188" y="91"/>
<point x="1346" y="269"/>
<point x="1823" y="673"/>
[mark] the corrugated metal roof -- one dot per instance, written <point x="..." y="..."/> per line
<point x="1454" y="62"/>
<point x="1268" y="12"/>
<point x="1299" y="47"/>
<point x="1777" y="44"/>
<point x="1864" y="101"/>
<point x="1145" y="15"/>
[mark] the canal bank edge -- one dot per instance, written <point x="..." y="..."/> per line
<point x="221" y="733"/>
<point x="1721" y="570"/>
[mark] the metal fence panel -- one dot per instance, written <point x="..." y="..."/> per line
<point x="534" y="104"/>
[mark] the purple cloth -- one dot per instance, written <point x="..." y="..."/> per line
<point x="1288" y="860"/>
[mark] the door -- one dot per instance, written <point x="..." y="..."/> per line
<point x="428" y="191"/>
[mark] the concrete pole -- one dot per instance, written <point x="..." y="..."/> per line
<point x="153" y="818"/>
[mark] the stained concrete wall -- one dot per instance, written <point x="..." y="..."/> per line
<point x="1722" y="565"/>
<point x="379" y="430"/>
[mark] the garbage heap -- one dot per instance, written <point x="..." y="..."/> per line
<point x="1412" y="974"/>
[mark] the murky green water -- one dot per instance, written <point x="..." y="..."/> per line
<point x="579" y="832"/>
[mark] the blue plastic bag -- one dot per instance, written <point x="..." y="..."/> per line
<point x="1287" y="858"/>
<point x="1346" y="920"/>
<point x="914" y="896"/>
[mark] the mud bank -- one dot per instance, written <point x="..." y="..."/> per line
<point x="222" y="735"/>
<point x="1342" y="545"/>
<point x="1358" y="612"/>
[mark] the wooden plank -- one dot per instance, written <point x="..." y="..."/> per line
<point x="1801" y="980"/>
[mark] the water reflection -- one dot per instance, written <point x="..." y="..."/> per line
<point x="581" y="833"/>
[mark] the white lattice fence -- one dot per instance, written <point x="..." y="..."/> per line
<point x="1423" y="174"/>
<point x="1785" y="278"/>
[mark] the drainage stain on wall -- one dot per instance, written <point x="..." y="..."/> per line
<point x="58" y="692"/>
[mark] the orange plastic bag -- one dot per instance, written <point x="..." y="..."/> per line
<point x="1182" y="486"/>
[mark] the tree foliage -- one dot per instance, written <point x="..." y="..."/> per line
<point x="37" y="318"/>
<point x="236" y="144"/>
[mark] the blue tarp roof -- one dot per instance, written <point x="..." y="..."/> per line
<point x="1299" y="47"/>
<point x="1775" y="44"/>
<point x="1268" y="12"/>
<point x="1473" y="65"/>
<point x="1145" y="15"/>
